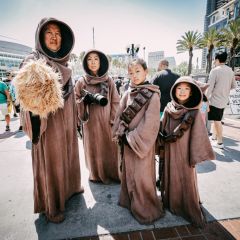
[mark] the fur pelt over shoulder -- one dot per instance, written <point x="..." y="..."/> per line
<point x="38" y="88"/>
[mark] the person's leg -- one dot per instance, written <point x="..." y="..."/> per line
<point x="213" y="131"/>
<point x="7" y="119"/>
<point x="218" y="130"/>
<point x="14" y="111"/>
<point x="20" y="127"/>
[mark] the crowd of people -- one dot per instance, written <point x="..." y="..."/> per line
<point x="122" y="133"/>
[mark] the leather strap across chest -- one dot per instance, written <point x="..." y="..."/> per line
<point x="139" y="101"/>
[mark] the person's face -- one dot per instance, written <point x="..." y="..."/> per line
<point x="183" y="92"/>
<point x="160" y="67"/>
<point x="52" y="37"/>
<point x="93" y="62"/>
<point x="137" y="74"/>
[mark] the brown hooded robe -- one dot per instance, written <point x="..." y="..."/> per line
<point x="100" y="151"/>
<point x="179" y="190"/>
<point x="55" y="156"/>
<point x="138" y="183"/>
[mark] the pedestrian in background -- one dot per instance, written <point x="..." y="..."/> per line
<point x="221" y="80"/>
<point x="45" y="92"/>
<point x="164" y="79"/>
<point x="11" y="89"/>
<point x="100" y="151"/>
<point x="5" y="101"/>
<point x="186" y="143"/>
<point x="136" y="129"/>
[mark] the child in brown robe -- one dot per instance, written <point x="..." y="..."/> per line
<point x="135" y="129"/>
<point x="186" y="143"/>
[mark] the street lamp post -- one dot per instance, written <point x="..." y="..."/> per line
<point x="132" y="50"/>
<point x="144" y="48"/>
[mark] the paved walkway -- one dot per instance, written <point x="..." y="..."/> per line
<point x="96" y="213"/>
<point x="217" y="230"/>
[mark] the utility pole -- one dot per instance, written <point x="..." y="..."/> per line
<point x="93" y="39"/>
<point x="144" y="53"/>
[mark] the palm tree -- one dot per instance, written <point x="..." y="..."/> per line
<point x="231" y="38"/>
<point x="189" y="41"/>
<point x="81" y="55"/>
<point x="211" y="39"/>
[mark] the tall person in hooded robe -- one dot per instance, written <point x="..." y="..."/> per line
<point x="45" y="92"/>
<point x="100" y="151"/>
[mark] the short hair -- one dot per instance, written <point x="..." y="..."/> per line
<point x="222" y="57"/>
<point x="139" y="61"/>
<point x="164" y="62"/>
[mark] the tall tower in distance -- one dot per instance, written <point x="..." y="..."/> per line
<point x="212" y="5"/>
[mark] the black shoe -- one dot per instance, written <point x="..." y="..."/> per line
<point x="15" y="115"/>
<point x="20" y="128"/>
<point x="7" y="129"/>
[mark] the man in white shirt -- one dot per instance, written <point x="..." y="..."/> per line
<point x="221" y="80"/>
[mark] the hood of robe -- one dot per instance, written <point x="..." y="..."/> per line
<point x="177" y="110"/>
<point x="59" y="59"/>
<point x="196" y="93"/>
<point x="103" y="70"/>
<point x="63" y="54"/>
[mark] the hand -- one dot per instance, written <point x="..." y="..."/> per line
<point x="125" y="141"/>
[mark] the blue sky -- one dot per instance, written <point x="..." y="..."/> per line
<point x="154" y="24"/>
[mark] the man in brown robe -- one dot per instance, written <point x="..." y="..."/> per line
<point x="55" y="153"/>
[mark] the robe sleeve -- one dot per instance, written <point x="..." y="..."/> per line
<point x="117" y="123"/>
<point x="80" y="105"/>
<point x="143" y="137"/>
<point x="114" y="100"/>
<point x="200" y="146"/>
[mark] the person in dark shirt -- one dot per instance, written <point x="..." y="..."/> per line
<point x="165" y="79"/>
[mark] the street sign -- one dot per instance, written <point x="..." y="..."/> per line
<point x="234" y="99"/>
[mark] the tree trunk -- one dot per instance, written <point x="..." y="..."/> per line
<point x="232" y="59"/>
<point x="210" y="57"/>
<point x="190" y="62"/>
<point x="207" y="67"/>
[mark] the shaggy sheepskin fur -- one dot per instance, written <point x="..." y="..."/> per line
<point x="38" y="88"/>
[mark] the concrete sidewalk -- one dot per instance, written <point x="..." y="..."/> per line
<point x="96" y="211"/>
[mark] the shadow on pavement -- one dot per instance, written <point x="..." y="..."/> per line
<point x="7" y="134"/>
<point x="19" y="134"/>
<point x="74" y="225"/>
<point x="28" y="145"/>
<point x="206" y="167"/>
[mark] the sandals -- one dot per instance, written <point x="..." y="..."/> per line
<point x="58" y="218"/>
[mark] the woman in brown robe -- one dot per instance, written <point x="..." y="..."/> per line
<point x="100" y="151"/>
<point x="55" y="153"/>
<point x="179" y="184"/>
<point x="137" y="139"/>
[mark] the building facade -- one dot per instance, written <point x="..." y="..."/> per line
<point x="218" y="15"/>
<point x="11" y="55"/>
<point x="154" y="59"/>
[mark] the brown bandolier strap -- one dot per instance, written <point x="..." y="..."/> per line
<point x="178" y="132"/>
<point x="138" y="102"/>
